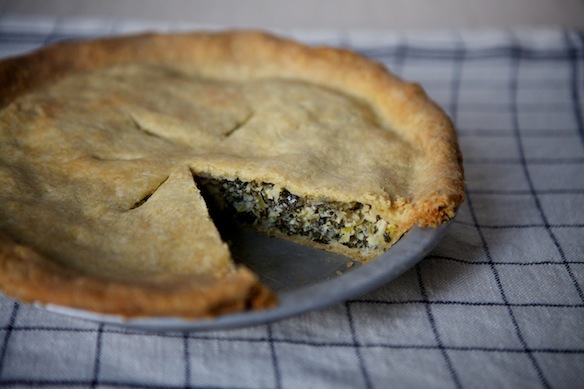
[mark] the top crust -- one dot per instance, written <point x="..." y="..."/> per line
<point x="400" y="155"/>
<point x="247" y="55"/>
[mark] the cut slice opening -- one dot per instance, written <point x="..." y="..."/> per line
<point x="351" y="228"/>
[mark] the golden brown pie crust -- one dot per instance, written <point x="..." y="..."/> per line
<point x="409" y="162"/>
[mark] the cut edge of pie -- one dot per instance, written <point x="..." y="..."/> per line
<point x="430" y="198"/>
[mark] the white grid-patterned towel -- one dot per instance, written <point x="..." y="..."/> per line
<point x="500" y="301"/>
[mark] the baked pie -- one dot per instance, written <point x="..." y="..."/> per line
<point x="120" y="155"/>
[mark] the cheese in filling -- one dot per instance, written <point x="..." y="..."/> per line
<point x="268" y="208"/>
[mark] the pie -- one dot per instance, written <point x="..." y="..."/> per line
<point x="120" y="155"/>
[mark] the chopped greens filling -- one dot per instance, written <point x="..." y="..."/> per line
<point x="270" y="207"/>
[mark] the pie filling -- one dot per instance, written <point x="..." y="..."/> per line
<point x="270" y="208"/>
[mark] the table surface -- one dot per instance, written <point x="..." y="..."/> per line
<point x="498" y="303"/>
<point x="361" y="14"/>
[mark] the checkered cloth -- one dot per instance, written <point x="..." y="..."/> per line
<point x="499" y="302"/>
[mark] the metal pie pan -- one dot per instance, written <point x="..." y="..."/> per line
<point x="304" y="279"/>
